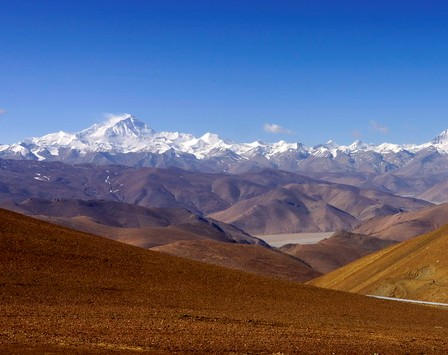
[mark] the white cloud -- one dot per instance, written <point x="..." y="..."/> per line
<point x="375" y="126"/>
<point x="275" y="128"/>
<point x="2" y="111"/>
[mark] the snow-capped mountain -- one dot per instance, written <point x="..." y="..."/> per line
<point x="442" y="139"/>
<point x="126" y="140"/>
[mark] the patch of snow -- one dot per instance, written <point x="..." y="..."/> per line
<point x="36" y="153"/>
<point x="41" y="177"/>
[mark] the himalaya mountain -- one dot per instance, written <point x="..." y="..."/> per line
<point x="128" y="141"/>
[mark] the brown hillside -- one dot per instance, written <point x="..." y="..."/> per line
<point x="311" y="207"/>
<point x="251" y="258"/>
<point x="136" y="225"/>
<point x="338" y="250"/>
<point x="415" y="269"/>
<point x="437" y="193"/>
<point x="285" y="210"/>
<point x="63" y="291"/>
<point x="363" y="203"/>
<point x="406" y="225"/>
<point x="261" y="195"/>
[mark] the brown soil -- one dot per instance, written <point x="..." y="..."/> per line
<point x="250" y="258"/>
<point x="63" y="291"/>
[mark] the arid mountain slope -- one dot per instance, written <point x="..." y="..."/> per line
<point x="415" y="269"/>
<point x="311" y="207"/>
<point x="68" y="292"/>
<point x="404" y="226"/>
<point x="437" y="193"/>
<point x="250" y="258"/>
<point x="429" y="186"/>
<point x="281" y="197"/>
<point x="283" y="210"/>
<point x="132" y="224"/>
<point x="338" y="250"/>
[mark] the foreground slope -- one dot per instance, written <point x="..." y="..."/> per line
<point x="63" y="291"/>
<point x="416" y="269"/>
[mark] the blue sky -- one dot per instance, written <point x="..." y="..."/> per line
<point x="305" y="71"/>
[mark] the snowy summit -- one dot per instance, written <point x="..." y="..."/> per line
<point x="121" y="135"/>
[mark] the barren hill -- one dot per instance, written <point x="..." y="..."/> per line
<point x="287" y="202"/>
<point x="132" y="224"/>
<point x="251" y="258"/>
<point x="338" y="250"/>
<point x="311" y="207"/>
<point x="63" y="291"/>
<point x="415" y="269"/>
<point x="437" y="192"/>
<point x="284" y="211"/>
<point x="403" y="226"/>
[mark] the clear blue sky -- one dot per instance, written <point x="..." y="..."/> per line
<point x="375" y="70"/>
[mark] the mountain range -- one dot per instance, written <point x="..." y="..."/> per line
<point x="266" y="202"/>
<point x="127" y="140"/>
<point x="417" y="170"/>
<point x="202" y="199"/>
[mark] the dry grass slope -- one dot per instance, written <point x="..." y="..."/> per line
<point x="415" y="269"/>
<point x="63" y="291"/>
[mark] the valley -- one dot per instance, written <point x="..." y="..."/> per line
<point x="169" y="257"/>
<point x="279" y="240"/>
<point x="223" y="177"/>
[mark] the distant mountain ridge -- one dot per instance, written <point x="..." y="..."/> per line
<point x="128" y="141"/>
<point x="265" y="202"/>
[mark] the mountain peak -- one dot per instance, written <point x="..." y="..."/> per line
<point x="114" y="119"/>
<point x="124" y="125"/>
<point x="332" y="144"/>
<point x="211" y="138"/>
<point x="357" y="144"/>
<point x="442" y="138"/>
